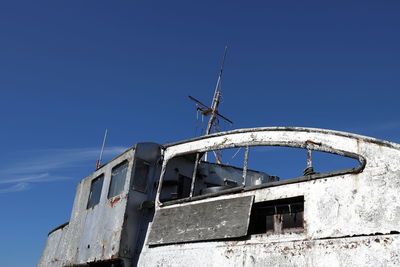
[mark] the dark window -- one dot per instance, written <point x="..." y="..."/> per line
<point x="140" y="176"/>
<point x="118" y="176"/>
<point x="184" y="186"/>
<point x="277" y="216"/>
<point x="294" y="219"/>
<point x="95" y="191"/>
<point x="173" y="184"/>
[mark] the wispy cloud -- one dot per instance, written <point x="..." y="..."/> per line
<point x="15" y="188"/>
<point x="46" y="165"/>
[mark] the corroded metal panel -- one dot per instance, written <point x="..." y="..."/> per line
<point x="53" y="253"/>
<point x="351" y="217"/>
<point x="341" y="204"/>
<point x="366" y="251"/>
<point x="111" y="228"/>
<point x="211" y="220"/>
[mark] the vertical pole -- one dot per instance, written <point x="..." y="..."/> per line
<point x="215" y="101"/>
<point x="246" y="160"/>
<point x="196" y="164"/>
<point x="98" y="162"/>
<point x="309" y="158"/>
<point x="217" y="95"/>
<point x="309" y="170"/>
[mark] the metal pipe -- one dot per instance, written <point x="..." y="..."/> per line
<point x="194" y="175"/>
<point x="246" y="160"/>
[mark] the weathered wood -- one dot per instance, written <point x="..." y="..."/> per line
<point x="212" y="220"/>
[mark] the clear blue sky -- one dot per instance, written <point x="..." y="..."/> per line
<point x="70" y="69"/>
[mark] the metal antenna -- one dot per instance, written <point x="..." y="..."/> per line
<point x="98" y="162"/>
<point x="213" y="110"/>
<point x="217" y="96"/>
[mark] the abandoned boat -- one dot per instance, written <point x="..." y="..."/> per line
<point x="180" y="204"/>
<point x="166" y="205"/>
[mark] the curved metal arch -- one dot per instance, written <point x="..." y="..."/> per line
<point x="335" y="142"/>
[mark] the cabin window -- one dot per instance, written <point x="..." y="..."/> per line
<point x="203" y="173"/>
<point x="118" y="177"/>
<point x="277" y="216"/>
<point x="214" y="171"/>
<point x="290" y="163"/>
<point x="140" y="175"/>
<point x="95" y="191"/>
<point x="178" y="177"/>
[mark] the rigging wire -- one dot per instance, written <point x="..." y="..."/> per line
<point x="234" y="155"/>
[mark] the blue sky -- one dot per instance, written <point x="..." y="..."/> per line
<point x="70" y="69"/>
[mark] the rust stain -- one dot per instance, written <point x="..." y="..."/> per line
<point x="228" y="253"/>
<point x="309" y="142"/>
<point x="114" y="201"/>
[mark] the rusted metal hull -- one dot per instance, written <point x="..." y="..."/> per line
<point x="350" y="217"/>
<point x="382" y="250"/>
<point x="113" y="228"/>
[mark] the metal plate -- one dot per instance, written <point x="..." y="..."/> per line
<point x="218" y="219"/>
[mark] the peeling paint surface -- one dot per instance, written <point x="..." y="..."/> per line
<point x="202" y="221"/>
<point x="110" y="229"/>
<point x="351" y="217"/>
<point x="383" y="250"/>
<point x="90" y="235"/>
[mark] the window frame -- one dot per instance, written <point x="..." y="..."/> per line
<point x="133" y="175"/>
<point x="101" y="176"/>
<point x="309" y="145"/>
<point x="126" y="161"/>
<point x="278" y="207"/>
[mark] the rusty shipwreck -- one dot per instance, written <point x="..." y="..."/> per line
<point x="212" y="201"/>
<point x="212" y="214"/>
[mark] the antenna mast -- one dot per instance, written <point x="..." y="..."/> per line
<point x="98" y="162"/>
<point x="217" y="96"/>
<point x="213" y="110"/>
